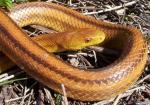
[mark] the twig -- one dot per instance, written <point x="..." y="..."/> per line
<point x="24" y="94"/>
<point x="127" y="93"/>
<point x="95" y="58"/>
<point x="117" y="99"/>
<point x="30" y="97"/>
<point x="64" y="95"/>
<point x="3" y="75"/>
<point x="104" y="50"/>
<point x="80" y="53"/>
<point x="111" y="9"/>
<point x="84" y="61"/>
<point x="104" y="102"/>
<point x="6" y="76"/>
<point x="143" y="79"/>
<point x="49" y="96"/>
<point x="18" y="98"/>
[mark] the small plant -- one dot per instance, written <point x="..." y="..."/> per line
<point x="6" y="3"/>
<point x="21" y="1"/>
<point x="149" y="3"/>
<point x="9" y="3"/>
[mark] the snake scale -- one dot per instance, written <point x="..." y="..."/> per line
<point x="82" y="85"/>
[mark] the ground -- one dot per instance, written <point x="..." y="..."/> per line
<point x="15" y="88"/>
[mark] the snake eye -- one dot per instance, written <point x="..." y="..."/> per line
<point x="88" y="40"/>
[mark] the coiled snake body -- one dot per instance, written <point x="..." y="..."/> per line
<point x="52" y="72"/>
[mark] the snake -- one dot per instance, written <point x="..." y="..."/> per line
<point x="45" y="67"/>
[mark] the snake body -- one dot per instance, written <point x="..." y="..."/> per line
<point x="82" y="85"/>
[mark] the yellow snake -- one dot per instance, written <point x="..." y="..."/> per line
<point x="82" y="85"/>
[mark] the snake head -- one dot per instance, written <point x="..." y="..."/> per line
<point x="84" y="37"/>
